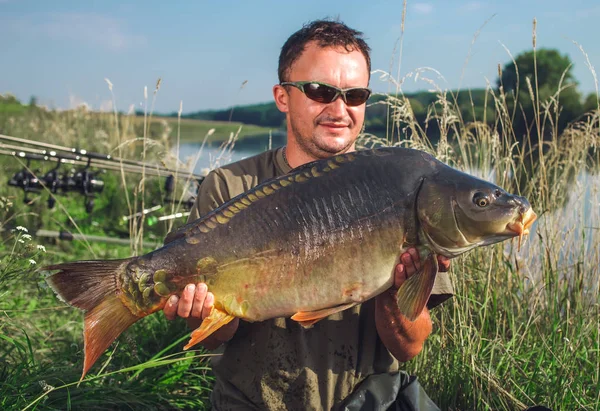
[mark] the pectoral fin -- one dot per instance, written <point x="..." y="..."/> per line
<point x="309" y="318"/>
<point x="215" y="320"/>
<point x="414" y="293"/>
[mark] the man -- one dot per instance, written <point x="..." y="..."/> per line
<point x="324" y="72"/>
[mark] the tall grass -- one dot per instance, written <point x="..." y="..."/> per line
<point x="41" y="348"/>
<point x="524" y="325"/>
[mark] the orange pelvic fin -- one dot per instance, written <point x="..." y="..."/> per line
<point x="215" y="320"/>
<point x="309" y="318"/>
<point x="414" y="293"/>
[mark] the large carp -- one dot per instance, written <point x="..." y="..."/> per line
<point x="318" y="240"/>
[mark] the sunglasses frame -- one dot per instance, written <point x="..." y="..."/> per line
<point x="339" y="91"/>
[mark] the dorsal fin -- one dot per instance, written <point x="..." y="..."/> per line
<point x="229" y="209"/>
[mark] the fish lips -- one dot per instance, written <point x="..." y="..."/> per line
<point x="523" y="224"/>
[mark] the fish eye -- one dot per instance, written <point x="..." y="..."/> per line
<point x="481" y="200"/>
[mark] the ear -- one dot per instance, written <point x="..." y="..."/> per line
<point x="281" y="97"/>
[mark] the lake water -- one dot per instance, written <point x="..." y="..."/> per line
<point x="210" y="156"/>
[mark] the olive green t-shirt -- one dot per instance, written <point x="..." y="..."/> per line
<point x="277" y="364"/>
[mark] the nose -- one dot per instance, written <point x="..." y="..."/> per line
<point x="337" y="107"/>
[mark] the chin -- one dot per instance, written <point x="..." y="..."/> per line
<point x="332" y="149"/>
<point x="334" y="143"/>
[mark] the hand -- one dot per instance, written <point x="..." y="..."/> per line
<point x="411" y="263"/>
<point x="402" y="337"/>
<point x="195" y="305"/>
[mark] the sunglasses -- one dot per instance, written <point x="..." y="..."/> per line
<point x="326" y="93"/>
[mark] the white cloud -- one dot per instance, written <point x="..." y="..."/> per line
<point x="92" y="29"/>
<point x="423" y="8"/>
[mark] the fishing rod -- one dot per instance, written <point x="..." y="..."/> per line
<point x="68" y="236"/>
<point x="97" y="157"/>
<point x="73" y="159"/>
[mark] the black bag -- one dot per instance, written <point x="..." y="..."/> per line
<point x="396" y="391"/>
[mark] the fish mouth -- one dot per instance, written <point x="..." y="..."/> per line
<point x="522" y="225"/>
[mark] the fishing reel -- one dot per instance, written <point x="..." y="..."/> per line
<point x="84" y="182"/>
<point x="27" y="181"/>
<point x="54" y="182"/>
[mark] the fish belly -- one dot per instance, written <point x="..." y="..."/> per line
<point x="353" y="266"/>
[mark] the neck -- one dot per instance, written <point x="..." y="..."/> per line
<point x="295" y="156"/>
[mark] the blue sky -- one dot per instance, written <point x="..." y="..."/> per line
<point x="61" y="51"/>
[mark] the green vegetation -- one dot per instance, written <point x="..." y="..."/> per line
<point x="264" y="114"/>
<point x="523" y="328"/>
<point x="41" y="346"/>
<point x="41" y="342"/>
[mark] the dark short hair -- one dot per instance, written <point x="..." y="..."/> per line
<point x="327" y="33"/>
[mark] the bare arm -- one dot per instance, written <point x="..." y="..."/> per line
<point x="403" y="338"/>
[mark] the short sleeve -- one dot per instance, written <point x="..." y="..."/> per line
<point x="442" y="290"/>
<point x="212" y="193"/>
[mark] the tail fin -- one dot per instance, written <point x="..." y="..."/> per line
<point x="92" y="286"/>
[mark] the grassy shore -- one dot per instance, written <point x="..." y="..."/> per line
<point x="194" y="131"/>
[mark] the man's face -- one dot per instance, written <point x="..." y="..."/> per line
<point x="322" y="130"/>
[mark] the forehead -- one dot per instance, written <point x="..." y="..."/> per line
<point x="334" y="65"/>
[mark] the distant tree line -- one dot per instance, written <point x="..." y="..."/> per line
<point x="519" y="83"/>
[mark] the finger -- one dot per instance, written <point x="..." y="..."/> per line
<point x="399" y="275"/>
<point x="171" y="307"/>
<point x="444" y="263"/>
<point x="208" y="305"/>
<point x="409" y="262"/>
<point x="416" y="259"/>
<point x="199" y="297"/>
<point x="187" y="299"/>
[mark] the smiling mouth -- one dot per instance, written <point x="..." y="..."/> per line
<point x="522" y="225"/>
<point x="333" y="125"/>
